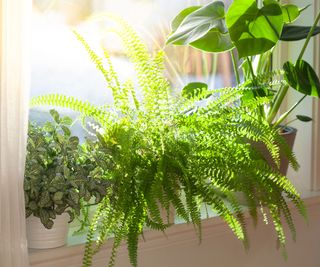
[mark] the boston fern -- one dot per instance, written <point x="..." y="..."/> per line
<point x="161" y="150"/>
<point x="58" y="172"/>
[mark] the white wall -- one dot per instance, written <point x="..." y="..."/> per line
<point x="303" y="144"/>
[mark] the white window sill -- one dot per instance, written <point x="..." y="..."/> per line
<point x="178" y="235"/>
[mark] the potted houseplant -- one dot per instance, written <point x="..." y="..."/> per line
<point x="252" y="32"/>
<point x="160" y="149"/>
<point x="57" y="183"/>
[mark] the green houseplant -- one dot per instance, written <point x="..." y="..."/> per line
<point x="160" y="149"/>
<point x="58" y="175"/>
<point x="252" y="29"/>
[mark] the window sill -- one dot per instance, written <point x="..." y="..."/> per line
<point x="178" y="235"/>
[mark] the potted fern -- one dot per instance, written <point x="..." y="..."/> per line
<point x="160" y="149"/>
<point x="58" y="181"/>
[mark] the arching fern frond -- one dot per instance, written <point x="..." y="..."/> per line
<point x="84" y="107"/>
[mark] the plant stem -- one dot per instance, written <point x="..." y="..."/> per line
<point x="283" y="90"/>
<point x="235" y="67"/>
<point x="289" y="122"/>
<point x="285" y="115"/>
<point x="205" y="64"/>
<point x="277" y="103"/>
<point x="251" y="68"/>
<point x="282" y="94"/>
<point x="214" y="63"/>
<point x="254" y="82"/>
<point x="309" y="36"/>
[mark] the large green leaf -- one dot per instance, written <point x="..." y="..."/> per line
<point x="290" y="13"/>
<point x="214" y="41"/>
<point x="296" y="33"/>
<point x="302" y="77"/>
<point x="181" y="16"/>
<point x="254" y="30"/>
<point x="202" y="27"/>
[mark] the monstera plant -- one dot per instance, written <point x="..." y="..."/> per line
<point x="250" y="31"/>
<point x="161" y="150"/>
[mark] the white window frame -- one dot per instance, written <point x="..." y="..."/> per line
<point x="316" y="116"/>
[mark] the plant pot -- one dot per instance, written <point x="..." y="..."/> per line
<point x="289" y="134"/>
<point x="40" y="237"/>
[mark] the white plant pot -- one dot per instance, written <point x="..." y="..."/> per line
<point x="40" y="237"/>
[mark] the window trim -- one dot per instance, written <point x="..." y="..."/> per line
<point x="316" y="116"/>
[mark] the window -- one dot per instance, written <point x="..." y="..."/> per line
<point x="60" y="64"/>
<point x="68" y="70"/>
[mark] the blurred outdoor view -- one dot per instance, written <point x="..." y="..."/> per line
<point x="61" y="65"/>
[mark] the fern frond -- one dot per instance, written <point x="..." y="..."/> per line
<point x="88" y="252"/>
<point x="288" y="217"/>
<point x="275" y="214"/>
<point x="85" y="108"/>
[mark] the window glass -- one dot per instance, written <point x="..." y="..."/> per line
<point x="61" y="65"/>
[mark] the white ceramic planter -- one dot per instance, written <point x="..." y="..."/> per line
<point x="40" y="237"/>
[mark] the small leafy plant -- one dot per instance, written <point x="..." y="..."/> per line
<point x="58" y="172"/>
<point x="252" y="32"/>
<point x="161" y="149"/>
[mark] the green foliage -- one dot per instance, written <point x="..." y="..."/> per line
<point x="202" y="27"/>
<point x="254" y="32"/>
<point x="193" y="89"/>
<point x="58" y="175"/>
<point x="303" y="118"/>
<point x="176" y="22"/>
<point x="296" y="33"/>
<point x="302" y="77"/>
<point x="290" y="13"/>
<point x="170" y="150"/>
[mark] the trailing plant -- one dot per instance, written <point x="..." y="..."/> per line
<point x="58" y="174"/>
<point x="252" y="30"/>
<point x="160" y="149"/>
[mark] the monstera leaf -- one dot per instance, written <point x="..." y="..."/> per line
<point x="302" y="77"/>
<point x="214" y="41"/>
<point x="253" y="30"/>
<point x="290" y="13"/>
<point x="202" y="27"/>
<point x="181" y="16"/>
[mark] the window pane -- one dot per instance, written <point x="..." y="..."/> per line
<point x="61" y="65"/>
